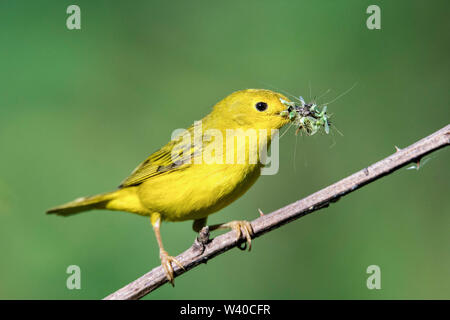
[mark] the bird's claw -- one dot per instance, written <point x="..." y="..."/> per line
<point x="242" y="228"/>
<point x="166" y="263"/>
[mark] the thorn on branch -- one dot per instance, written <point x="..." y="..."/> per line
<point x="366" y="171"/>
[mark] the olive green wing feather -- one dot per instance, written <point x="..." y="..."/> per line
<point x="178" y="154"/>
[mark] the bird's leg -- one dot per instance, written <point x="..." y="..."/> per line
<point x="241" y="227"/>
<point x="166" y="260"/>
<point x="198" y="224"/>
<point x="203" y="234"/>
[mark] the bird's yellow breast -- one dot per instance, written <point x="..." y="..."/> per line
<point x="201" y="190"/>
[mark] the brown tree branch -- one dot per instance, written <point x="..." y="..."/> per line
<point x="203" y="249"/>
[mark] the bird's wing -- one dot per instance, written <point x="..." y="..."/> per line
<point x="176" y="155"/>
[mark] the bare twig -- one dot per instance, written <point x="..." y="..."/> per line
<point x="203" y="249"/>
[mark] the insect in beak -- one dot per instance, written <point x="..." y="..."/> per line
<point x="307" y="116"/>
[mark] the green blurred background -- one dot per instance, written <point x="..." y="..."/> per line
<point x="80" y="109"/>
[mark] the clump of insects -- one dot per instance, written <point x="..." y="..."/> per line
<point x="307" y="117"/>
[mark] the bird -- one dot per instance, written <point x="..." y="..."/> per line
<point x="177" y="183"/>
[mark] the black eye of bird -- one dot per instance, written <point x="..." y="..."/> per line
<point x="261" y="106"/>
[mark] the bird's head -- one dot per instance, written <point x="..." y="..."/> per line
<point x="252" y="109"/>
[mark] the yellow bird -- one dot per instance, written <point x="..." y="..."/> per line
<point x="178" y="182"/>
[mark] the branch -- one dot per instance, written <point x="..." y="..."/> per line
<point x="204" y="249"/>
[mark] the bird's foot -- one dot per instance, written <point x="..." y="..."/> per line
<point x="201" y="240"/>
<point x="241" y="227"/>
<point x="166" y="263"/>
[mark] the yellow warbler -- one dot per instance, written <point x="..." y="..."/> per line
<point x="178" y="183"/>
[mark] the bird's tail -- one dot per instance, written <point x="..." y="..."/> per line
<point x="99" y="201"/>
